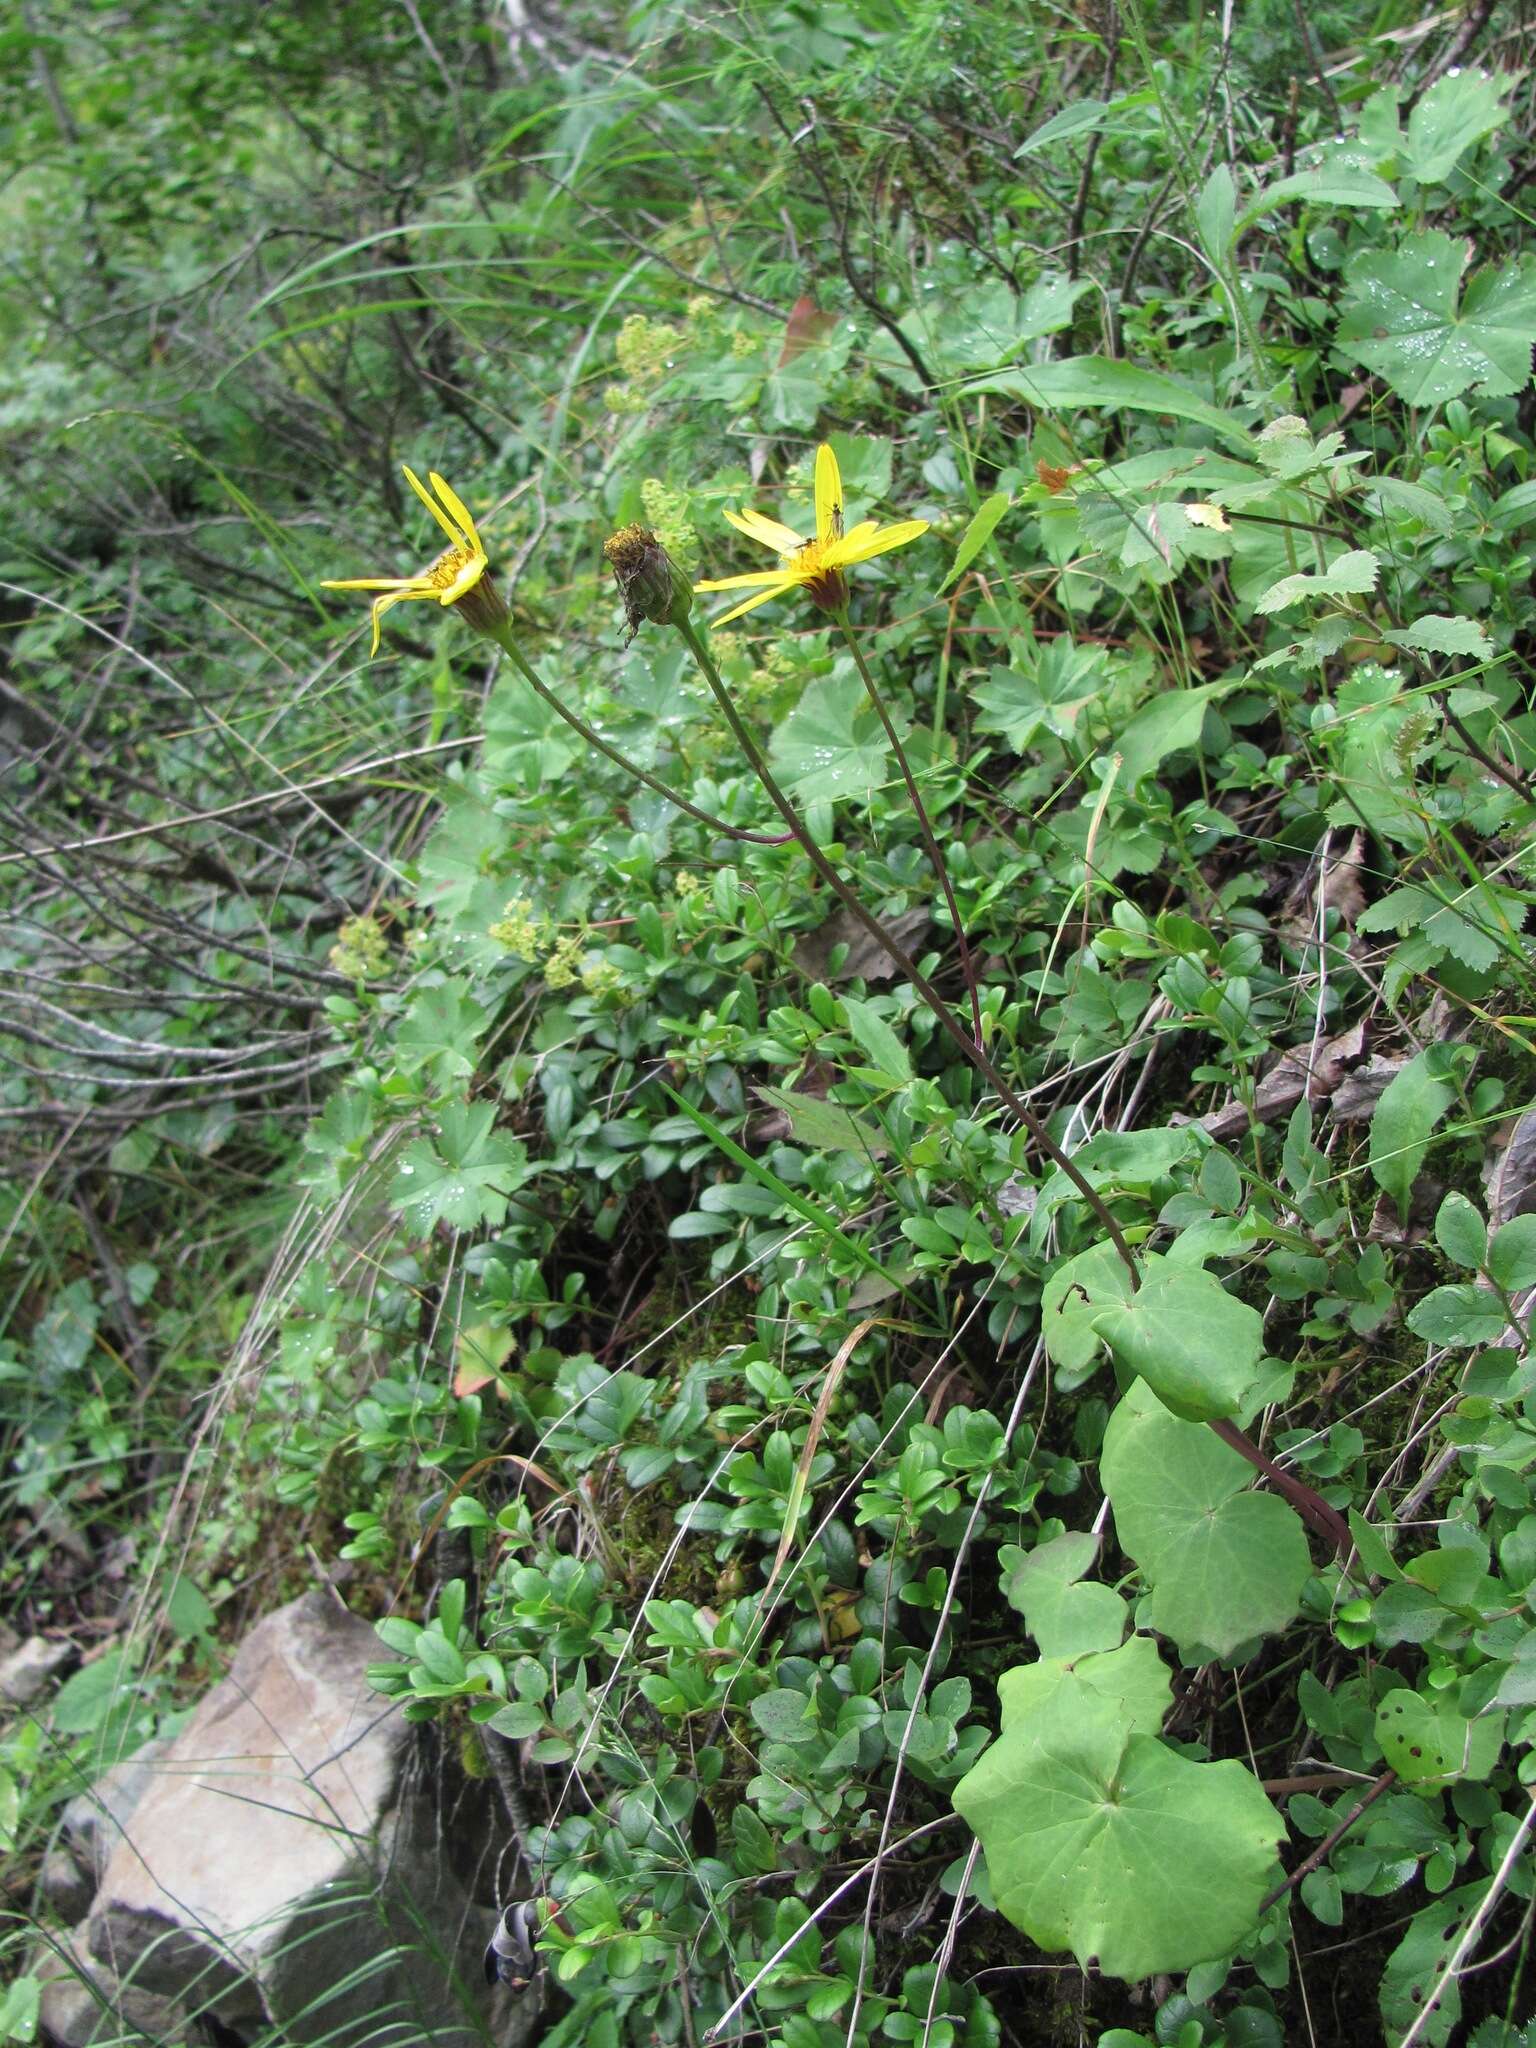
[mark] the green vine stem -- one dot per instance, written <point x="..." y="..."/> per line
<point x="506" y="640"/>
<point x="940" y="868"/>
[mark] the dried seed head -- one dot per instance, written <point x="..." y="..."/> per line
<point x="650" y="582"/>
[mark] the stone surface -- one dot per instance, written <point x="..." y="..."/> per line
<point x="93" y="1822"/>
<point x="66" y="1887"/>
<point x="248" y="1881"/>
<point x="25" y="1671"/>
<point x="83" y="2005"/>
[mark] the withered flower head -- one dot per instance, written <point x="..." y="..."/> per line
<point x="650" y="582"/>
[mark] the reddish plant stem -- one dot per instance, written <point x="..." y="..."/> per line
<point x="1312" y="1508"/>
<point x="1327" y="1845"/>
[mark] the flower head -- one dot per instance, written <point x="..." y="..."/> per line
<point x="459" y="577"/>
<point x="650" y="582"/>
<point x="815" y="566"/>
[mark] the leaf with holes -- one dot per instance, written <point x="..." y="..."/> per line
<point x="1428" y="1743"/>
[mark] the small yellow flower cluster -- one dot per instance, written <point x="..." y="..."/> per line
<point x="563" y="967"/>
<point x="666" y="513"/>
<point x="645" y="349"/>
<point x="686" y="884"/>
<point x="745" y="343"/>
<point x="600" y="977"/>
<point x="521" y="930"/>
<point x="361" y="951"/>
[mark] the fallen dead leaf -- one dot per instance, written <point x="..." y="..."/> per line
<point x="1509" y="1179"/>
<point x="866" y="958"/>
<point x="1295" y="1073"/>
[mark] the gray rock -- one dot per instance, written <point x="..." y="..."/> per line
<point x="25" y="1672"/>
<point x="93" y="1822"/>
<point x="83" y="2005"/>
<point x="280" y="1867"/>
<point x="66" y="1887"/>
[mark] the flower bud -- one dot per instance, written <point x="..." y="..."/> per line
<point x="650" y="582"/>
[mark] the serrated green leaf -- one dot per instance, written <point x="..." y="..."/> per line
<point x="1401" y="320"/>
<point x="1456" y="112"/>
<point x="439" y="1032"/>
<point x="465" y="1177"/>
<point x="1436" y="634"/>
<point x="1351" y="574"/>
<point x="831" y="745"/>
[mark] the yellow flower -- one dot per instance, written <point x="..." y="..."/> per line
<point x="460" y="576"/>
<point x="815" y="566"/>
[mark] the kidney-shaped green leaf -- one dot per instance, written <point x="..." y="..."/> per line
<point x="1196" y="1346"/>
<point x="1225" y="1564"/>
<point x="1102" y="1840"/>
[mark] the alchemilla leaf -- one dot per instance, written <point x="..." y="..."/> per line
<point x="1403" y="322"/>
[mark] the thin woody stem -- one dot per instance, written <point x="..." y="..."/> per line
<point x="505" y="640"/>
<point x="1310" y="1505"/>
<point x="967" y="965"/>
<point x="974" y="1052"/>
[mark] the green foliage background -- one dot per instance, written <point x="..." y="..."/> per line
<point x="433" y="1160"/>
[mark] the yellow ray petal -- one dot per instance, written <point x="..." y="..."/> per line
<point x="459" y="540"/>
<point x="782" y="539"/>
<point x="829" y="494"/>
<point x="369" y="583"/>
<point x="884" y="539"/>
<point x="457" y="507"/>
<point x="751" y="604"/>
<point x="382" y="604"/>
<point x="845" y="550"/>
<point x="779" y="578"/>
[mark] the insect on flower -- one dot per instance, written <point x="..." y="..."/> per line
<point x="815" y="566"/>
<point x="459" y="577"/>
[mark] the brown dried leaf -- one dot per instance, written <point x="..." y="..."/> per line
<point x="1356" y="1097"/>
<point x="866" y="958"/>
<point x="1343" y="890"/>
<point x="1294" y="1072"/>
<point x="1509" y="1179"/>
